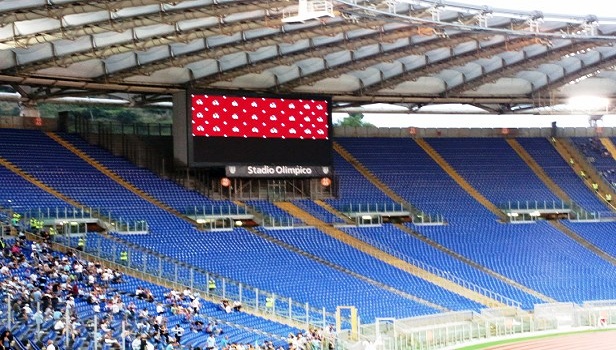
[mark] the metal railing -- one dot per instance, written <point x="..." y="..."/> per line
<point x="163" y="269"/>
<point x="417" y="216"/>
<point x="536" y="205"/>
<point x="214" y="210"/>
<point x="443" y="274"/>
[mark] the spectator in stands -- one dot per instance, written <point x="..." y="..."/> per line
<point x="59" y="326"/>
<point x="226" y="306"/>
<point x="173" y="345"/>
<point x="210" y="343"/>
<point x="177" y="332"/>
<point x="8" y="339"/>
<point x="196" y="326"/>
<point x="111" y="341"/>
<point x="195" y="304"/>
<point x="50" y="345"/>
<point x="237" y="305"/>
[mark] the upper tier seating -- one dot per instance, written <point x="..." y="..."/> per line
<point x="167" y="191"/>
<point x="560" y="172"/>
<point x="403" y="166"/>
<point x="353" y="188"/>
<point x="494" y="169"/>
<point x="598" y="156"/>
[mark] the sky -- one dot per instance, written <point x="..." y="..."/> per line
<point x="478" y="121"/>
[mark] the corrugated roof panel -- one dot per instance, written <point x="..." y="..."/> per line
<point x="172" y="75"/>
<point x="154" y="54"/>
<point x="80" y="19"/>
<point x="421" y="86"/>
<point x="219" y="40"/>
<point x="344" y="83"/>
<point x="285" y="73"/>
<point x="154" y="30"/>
<point x="255" y="81"/>
<point x="36" y="26"/>
<point x="205" y="22"/>
<point x="490" y="64"/>
<point x="502" y="87"/>
<point x="413" y="62"/>
<point x="203" y="68"/>
<point x="338" y="58"/>
<point x="538" y="79"/>
<point x="185" y="48"/>
<point x="554" y="71"/>
<point x="368" y="77"/>
<point x="263" y="53"/>
<point x="311" y="65"/>
<point x="397" y="44"/>
<point x="112" y="38"/>
<point x="390" y="69"/>
<point x="296" y="46"/>
<point x="34" y="53"/>
<point x="67" y="47"/>
<point x="120" y="62"/>
<point x="366" y="51"/>
<point x="233" y="60"/>
<point x="88" y="69"/>
<point x="7" y="59"/>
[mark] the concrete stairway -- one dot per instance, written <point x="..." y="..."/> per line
<point x="460" y="180"/>
<point x="388" y="258"/>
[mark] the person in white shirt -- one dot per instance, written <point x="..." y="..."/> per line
<point x="50" y="345"/>
<point x="195" y="304"/>
<point x="177" y="331"/>
<point x="160" y="309"/>
<point x="59" y="326"/>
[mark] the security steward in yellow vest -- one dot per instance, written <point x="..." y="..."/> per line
<point x="81" y="243"/>
<point x="124" y="257"/>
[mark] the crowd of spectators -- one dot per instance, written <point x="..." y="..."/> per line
<point x="45" y="286"/>
<point x="594" y="150"/>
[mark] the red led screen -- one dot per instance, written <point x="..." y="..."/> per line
<point x="259" y="117"/>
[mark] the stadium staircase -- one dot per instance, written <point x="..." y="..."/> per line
<point x="460" y="180"/>
<point x="387" y="258"/>
<point x="15" y="169"/>
<point x="568" y="151"/>
<point x="609" y="145"/>
<point x="115" y="177"/>
<point x="583" y="242"/>
<point x="347" y="271"/>
<point x="372" y="177"/>
<point x="474" y="264"/>
<point x="532" y="164"/>
<point x="334" y="211"/>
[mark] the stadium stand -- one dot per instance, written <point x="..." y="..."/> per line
<point x="528" y="263"/>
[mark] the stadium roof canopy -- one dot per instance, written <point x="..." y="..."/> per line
<point x="408" y="52"/>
